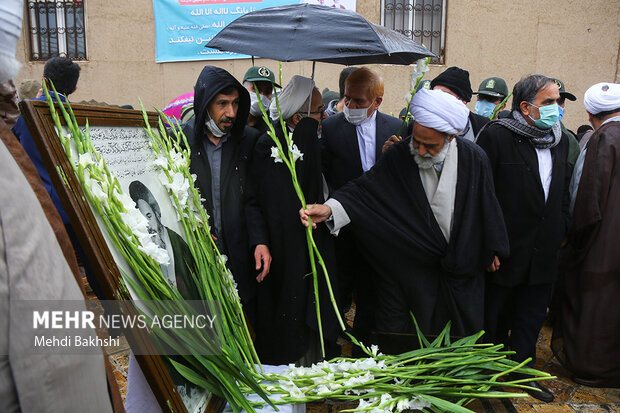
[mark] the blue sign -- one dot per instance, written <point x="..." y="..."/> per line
<point x="184" y="27"/>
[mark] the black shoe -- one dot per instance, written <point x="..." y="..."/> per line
<point x="542" y="393"/>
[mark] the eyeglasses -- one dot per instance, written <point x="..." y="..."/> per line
<point x="321" y="111"/>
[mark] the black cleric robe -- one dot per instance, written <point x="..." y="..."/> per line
<point x="438" y="281"/>
<point x="286" y="320"/>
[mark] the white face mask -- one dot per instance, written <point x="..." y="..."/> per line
<point x="355" y="116"/>
<point x="213" y="128"/>
<point x="255" y="108"/>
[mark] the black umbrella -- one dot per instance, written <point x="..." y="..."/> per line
<point x="318" y="33"/>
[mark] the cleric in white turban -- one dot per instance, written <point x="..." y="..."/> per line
<point x="602" y="97"/>
<point x="590" y="288"/>
<point x="291" y="99"/>
<point x="427" y="217"/>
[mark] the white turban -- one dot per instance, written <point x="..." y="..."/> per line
<point x="10" y="28"/>
<point x="291" y="97"/>
<point x="602" y="97"/>
<point x="439" y="110"/>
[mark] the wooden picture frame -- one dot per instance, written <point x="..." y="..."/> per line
<point x="41" y="125"/>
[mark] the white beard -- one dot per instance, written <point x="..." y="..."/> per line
<point x="9" y="68"/>
<point x="427" y="160"/>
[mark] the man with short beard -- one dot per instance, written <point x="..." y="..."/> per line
<point x="221" y="145"/>
<point x="428" y="221"/>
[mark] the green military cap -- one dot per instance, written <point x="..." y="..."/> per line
<point x="424" y="84"/>
<point x="493" y="86"/>
<point x="260" y="74"/>
<point x="563" y="92"/>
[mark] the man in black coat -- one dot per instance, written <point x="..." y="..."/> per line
<point x="351" y="143"/>
<point x="221" y="146"/>
<point x="427" y="217"/>
<point x="528" y="154"/>
<point x="287" y="327"/>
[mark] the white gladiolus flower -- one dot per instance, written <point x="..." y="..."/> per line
<point x="161" y="162"/>
<point x="178" y="160"/>
<point x="160" y="255"/>
<point x="179" y="186"/>
<point x="136" y="222"/>
<point x="296" y="153"/>
<point x="98" y="192"/>
<point x="416" y="403"/>
<point x="356" y="380"/>
<point x="295" y="371"/>
<point x="374" y="348"/>
<point x="85" y="160"/>
<point x="233" y="282"/>
<point x="223" y="258"/>
<point x="420" y="67"/>
<point x="342" y="367"/>
<point x="291" y="388"/>
<point x="322" y="389"/>
<point x="334" y="386"/>
<point x="275" y="154"/>
<point x="363" y="403"/>
<point x="125" y="200"/>
<point x="385" y="397"/>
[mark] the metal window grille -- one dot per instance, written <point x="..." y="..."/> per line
<point x="422" y="20"/>
<point x="56" y="29"/>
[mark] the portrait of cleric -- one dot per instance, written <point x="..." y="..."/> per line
<point x="178" y="270"/>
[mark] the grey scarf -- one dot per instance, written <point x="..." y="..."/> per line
<point x="539" y="138"/>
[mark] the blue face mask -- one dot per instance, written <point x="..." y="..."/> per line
<point x="561" y="110"/>
<point x="485" y="108"/>
<point x="549" y="116"/>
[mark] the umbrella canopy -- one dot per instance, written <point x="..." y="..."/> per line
<point x="173" y="109"/>
<point x="313" y="32"/>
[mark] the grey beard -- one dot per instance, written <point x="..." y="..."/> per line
<point x="427" y="160"/>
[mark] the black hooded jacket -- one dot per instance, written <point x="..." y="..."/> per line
<point x="239" y="236"/>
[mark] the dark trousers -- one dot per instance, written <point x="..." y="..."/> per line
<point x="520" y="310"/>
<point x="356" y="282"/>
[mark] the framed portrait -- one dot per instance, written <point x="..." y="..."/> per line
<point x="119" y="136"/>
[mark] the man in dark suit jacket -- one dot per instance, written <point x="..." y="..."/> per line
<point x="221" y="145"/>
<point x="351" y="143"/>
<point x="528" y="154"/>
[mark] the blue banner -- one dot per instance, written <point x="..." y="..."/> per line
<point x="184" y="27"/>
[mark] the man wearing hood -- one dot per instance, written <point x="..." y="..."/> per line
<point x="528" y="154"/>
<point x="221" y="146"/>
